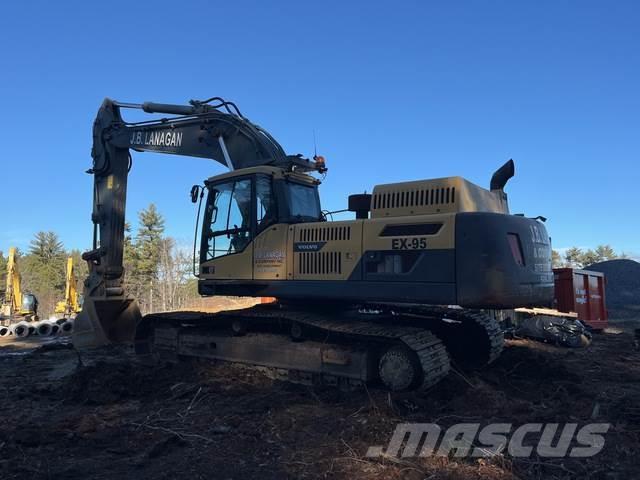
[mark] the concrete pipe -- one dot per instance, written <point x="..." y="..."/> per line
<point x="43" y="328"/>
<point x="66" y="328"/>
<point x="5" y="331"/>
<point x="20" y="329"/>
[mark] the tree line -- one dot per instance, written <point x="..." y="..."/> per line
<point x="575" y="257"/>
<point x="42" y="269"/>
<point x="157" y="270"/>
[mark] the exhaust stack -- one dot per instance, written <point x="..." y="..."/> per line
<point x="502" y="176"/>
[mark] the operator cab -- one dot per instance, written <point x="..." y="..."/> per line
<point x="29" y="303"/>
<point x="239" y="206"/>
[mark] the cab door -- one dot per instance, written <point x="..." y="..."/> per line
<point x="270" y="246"/>
<point x="228" y="231"/>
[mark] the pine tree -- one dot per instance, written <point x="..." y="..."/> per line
<point x="589" y="258"/>
<point x="46" y="246"/>
<point x="605" y="252"/>
<point x="148" y="241"/>
<point x="573" y="257"/>
<point x="43" y="270"/>
<point x="147" y="254"/>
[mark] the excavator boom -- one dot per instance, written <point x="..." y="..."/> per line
<point x="70" y="305"/>
<point x="13" y="293"/>
<point x="201" y="129"/>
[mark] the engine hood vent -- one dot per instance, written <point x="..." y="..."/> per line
<point x="442" y="195"/>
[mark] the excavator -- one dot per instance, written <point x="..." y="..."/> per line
<point x="71" y="304"/>
<point x="390" y="297"/>
<point x="16" y="305"/>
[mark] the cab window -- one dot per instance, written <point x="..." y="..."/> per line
<point x="266" y="213"/>
<point x="303" y="202"/>
<point x="228" y="218"/>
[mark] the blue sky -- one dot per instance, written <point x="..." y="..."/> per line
<point x="394" y="91"/>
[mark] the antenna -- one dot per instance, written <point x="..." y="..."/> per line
<point x="320" y="163"/>
<point x="315" y="147"/>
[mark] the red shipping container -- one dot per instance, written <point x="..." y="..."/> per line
<point x="582" y="292"/>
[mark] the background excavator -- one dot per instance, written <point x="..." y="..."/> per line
<point x="16" y="305"/>
<point x="389" y="297"/>
<point x="71" y="305"/>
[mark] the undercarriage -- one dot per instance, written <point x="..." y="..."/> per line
<point x="396" y="347"/>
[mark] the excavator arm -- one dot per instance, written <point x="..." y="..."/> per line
<point x="213" y="129"/>
<point x="70" y="305"/>
<point x="13" y="293"/>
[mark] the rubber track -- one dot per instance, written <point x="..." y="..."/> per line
<point x="491" y="327"/>
<point x="430" y="350"/>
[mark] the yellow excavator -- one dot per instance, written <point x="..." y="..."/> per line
<point x="16" y="305"/>
<point x="387" y="297"/>
<point x="71" y="304"/>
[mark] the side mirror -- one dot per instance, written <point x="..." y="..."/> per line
<point x="195" y="190"/>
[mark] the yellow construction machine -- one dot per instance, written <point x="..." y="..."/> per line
<point x="365" y="300"/>
<point x="71" y="304"/>
<point x="16" y="305"/>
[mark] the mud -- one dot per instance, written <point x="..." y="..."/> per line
<point x="102" y="415"/>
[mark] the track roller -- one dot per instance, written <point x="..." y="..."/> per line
<point x="399" y="369"/>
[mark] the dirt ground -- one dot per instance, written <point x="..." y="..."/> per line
<point x="102" y="415"/>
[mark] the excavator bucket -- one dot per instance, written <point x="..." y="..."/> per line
<point x="106" y="321"/>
